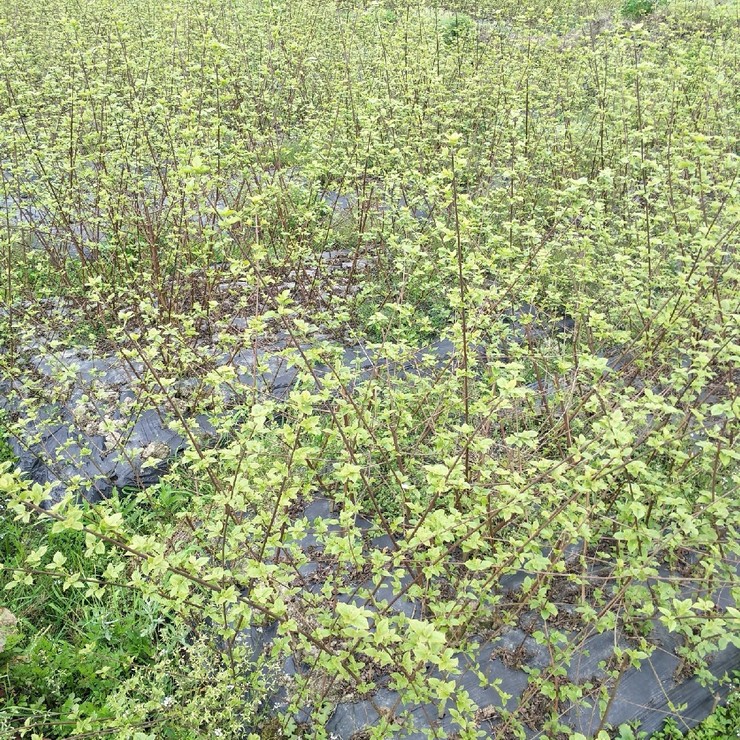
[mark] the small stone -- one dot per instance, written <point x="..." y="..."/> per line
<point x="8" y="623"/>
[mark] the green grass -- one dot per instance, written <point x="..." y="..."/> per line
<point x="71" y="648"/>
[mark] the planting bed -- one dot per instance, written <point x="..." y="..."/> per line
<point x="368" y="371"/>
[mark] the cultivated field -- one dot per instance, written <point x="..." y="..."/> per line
<point x="369" y="370"/>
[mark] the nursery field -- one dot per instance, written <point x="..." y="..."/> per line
<point x="369" y="370"/>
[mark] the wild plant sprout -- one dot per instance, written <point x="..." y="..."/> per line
<point x="351" y="350"/>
